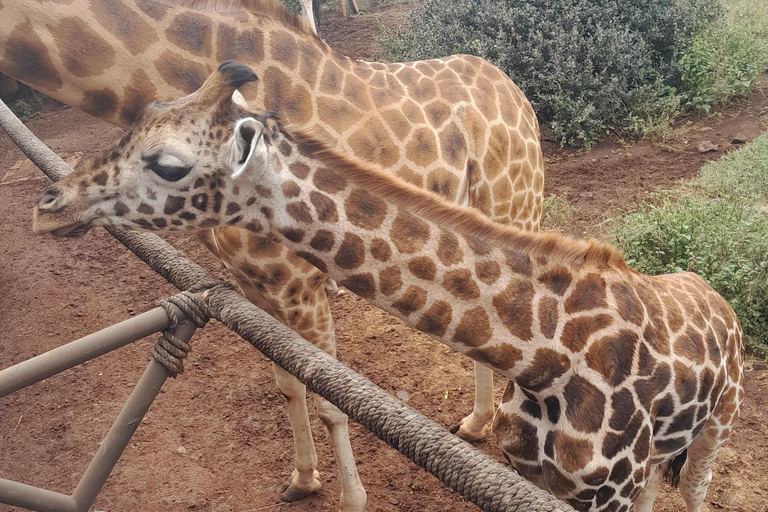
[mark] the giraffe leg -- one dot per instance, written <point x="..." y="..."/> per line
<point x="475" y="426"/>
<point x="696" y="472"/>
<point x="644" y="500"/>
<point x="294" y="292"/>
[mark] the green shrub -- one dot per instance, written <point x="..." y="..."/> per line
<point x="586" y="66"/>
<point x="722" y="61"/>
<point x="718" y="229"/>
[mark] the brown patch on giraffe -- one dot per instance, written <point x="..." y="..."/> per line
<point x="300" y="212"/>
<point x="362" y="285"/>
<point x="351" y="253"/>
<point x="380" y="249"/>
<point x="627" y="303"/>
<point x="498" y="150"/>
<point x="325" y="208"/>
<point x="616" y="442"/>
<point x="686" y="382"/>
<point x="461" y="284"/>
<point x="690" y="345"/>
<point x="572" y="454"/>
<point x="372" y="143"/>
<point x="409" y="233"/>
<point x="289" y="99"/>
<point x="179" y="72"/>
<point x="515" y="309"/>
<point x="516" y="436"/>
<point x="192" y="32"/>
<point x="101" y="103"/>
<point x="119" y="20"/>
<point x="396" y="122"/>
<point x="309" y="56"/>
<point x="518" y="262"/>
<point x="284" y="49"/>
<point x="329" y="181"/>
<point x="421" y="149"/>
<point x="28" y="59"/>
<point x="474" y="329"/>
<point x="152" y="9"/>
<point x="338" y="113"/>
<point x="436" y="319"/>
<point x="390" y="280"/>
<point x="453" y="146"/>
<point x="331" y="78"/>
<point x="577" y="331"/>
<point x="323" y="240"/>
<point x="413" y="112"/>
<point x="136" y="95"/>
<point x="356" y="92"/>
<point x="74" y="29"/>
<point x="713" y="347"/>
<point x="423" y="267"/>
<point x="648" y="389"/>
<point x="442" y="183"/>
<point x="298" y="169"/>
<point x="548" y="317"/>
<point x="623" y="406"/>
<point x="365" y="210"/>
<point x="558" y="280"/>
<point x="612" y="356"/>
<point x="263" y="247"/>
<point x="503" y="357"/>
<point x="412" y="300"/>
<point x="585" y="405"/>
<point x="232" y="43"/>
<point x="546" y="366"/>
<point x="487" y="271"/>
<point x="448" y="249"/>
<point x="588" y="294"/>
<point x="291" y="189"/>
<point x="437" y="112"/>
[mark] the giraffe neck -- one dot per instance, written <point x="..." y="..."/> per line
<point x="141" y="51"/>
<point x="441" y="268"/>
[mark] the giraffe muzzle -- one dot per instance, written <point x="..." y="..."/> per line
<point x="50" y="216"/>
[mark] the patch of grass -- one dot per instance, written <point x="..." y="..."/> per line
<point x="716" y="227"/>
<point x="27" y="105"/>
<point x="557" y="213"/>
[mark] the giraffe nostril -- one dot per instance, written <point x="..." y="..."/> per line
<point x="49" y="199"/>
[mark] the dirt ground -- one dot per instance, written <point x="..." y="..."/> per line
<point x="217" y="438"/>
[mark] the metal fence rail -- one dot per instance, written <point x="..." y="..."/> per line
<point x="479" y="478"/>
<point x="62" y="358"/>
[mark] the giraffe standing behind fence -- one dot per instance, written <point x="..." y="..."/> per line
<point x="613" y="375"/>
<point x="457" y="126"/>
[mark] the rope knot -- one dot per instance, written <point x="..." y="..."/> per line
<point x="170" y="350"/>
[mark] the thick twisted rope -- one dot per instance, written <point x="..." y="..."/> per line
<point x="170" y="350"/>
<point x="476" y="476"/>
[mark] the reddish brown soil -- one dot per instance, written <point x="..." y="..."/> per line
<point x="217" y="438"/>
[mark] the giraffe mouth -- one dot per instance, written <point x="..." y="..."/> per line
<point x="72" y="231"/>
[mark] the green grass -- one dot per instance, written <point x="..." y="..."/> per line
<point x="716" y="226"/>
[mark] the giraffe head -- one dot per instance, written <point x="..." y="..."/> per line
<point x="172" y="170"/>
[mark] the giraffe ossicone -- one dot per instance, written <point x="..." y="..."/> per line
<point x="613" y="375"/>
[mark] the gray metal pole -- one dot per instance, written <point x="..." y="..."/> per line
<point x="66" y="356"/>
<point x="125" y="425"/>
<point x="34" y="498"/>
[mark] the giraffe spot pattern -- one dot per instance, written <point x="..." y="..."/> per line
<point x="351" y="253"/>
<point x="74" y="29"/>
<point x="120" y="21"/>
<point x="191" y="32"/>
<point x="585" y="405"/>
<point x="436" y="319"/>
<point x="390" y="280"/>
<point x="180" y="72"/>
<point x="423" y="268"/>
<point x="363" y="285"/>
<point x="588" y="294"/>
<point x="101" y="103"/>
<point x="448" y="249"/>
<point x="323" y="240"/>
<point x="364" y="210"/>
<point x="380" y="249"/>
<point x="487" y="271"/>
<point x="461" y="284"/>
<point x="474" y="329"/>
<point x="546" y="366"/>
<point x="570" y="453"/>
<point x="412" y="300"/>
<point x="514" y="307"/>
<point x="503" y="357"/>
<point x="409" y="233"/>
<point x="612" y="356"/>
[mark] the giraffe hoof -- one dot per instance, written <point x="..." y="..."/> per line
<point x="290" y="494"/>
<point x="467" y="436"/>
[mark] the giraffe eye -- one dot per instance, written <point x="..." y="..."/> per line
<point x="169" y="167"/>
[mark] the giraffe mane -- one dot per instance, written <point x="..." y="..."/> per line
<point x="465" y="220"/>
<point x="269" y="8"/>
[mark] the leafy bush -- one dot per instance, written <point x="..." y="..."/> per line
<point x="585" y="66"/>
<point x="718" y="230"/>
<point x="722" y="61"/>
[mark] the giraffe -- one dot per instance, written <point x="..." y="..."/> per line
<point x="310" y="11"/>
<point x="455" y="125"/>
<point x="612" y="374"/>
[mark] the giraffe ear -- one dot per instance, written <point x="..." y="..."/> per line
<point x="247" y="146"/>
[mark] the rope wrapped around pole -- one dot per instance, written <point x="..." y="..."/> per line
<point x="479" y="478"/>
